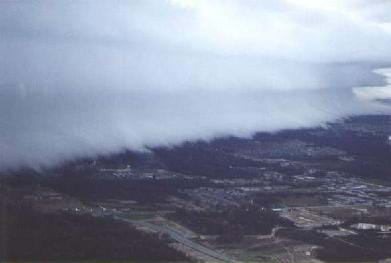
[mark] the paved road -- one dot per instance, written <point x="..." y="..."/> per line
<point x="209" y="253"/>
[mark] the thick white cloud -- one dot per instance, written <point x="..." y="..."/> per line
<point x="87" y="77"/>
<point x="376" y="92"/>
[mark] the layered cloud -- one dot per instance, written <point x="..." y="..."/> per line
<point x="82" y="78"/>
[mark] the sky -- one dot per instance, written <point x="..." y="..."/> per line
<point x="86" y="78"/>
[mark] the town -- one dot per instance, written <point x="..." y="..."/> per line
<point x="274" y="198"/>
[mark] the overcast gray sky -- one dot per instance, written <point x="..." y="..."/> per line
<point x="81" y="78"/>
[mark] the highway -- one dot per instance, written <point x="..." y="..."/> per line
<point x="209" y="254"/>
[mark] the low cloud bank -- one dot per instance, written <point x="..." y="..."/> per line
<point x="81" y="78"/>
